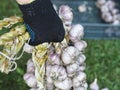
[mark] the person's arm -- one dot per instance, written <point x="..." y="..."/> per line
<point x="22" y="2"/>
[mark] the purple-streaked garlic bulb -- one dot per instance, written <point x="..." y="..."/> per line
<point x="30" y="66"/>
<point x="30" y="80"/>
<point x="76" y="33"/>
<point x="94" y="85"/>
<point x="64" y="85"/>
<point x="69" y="55"/>
<point x="78" y="79"/>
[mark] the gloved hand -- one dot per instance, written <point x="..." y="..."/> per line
<point x="42" y="22"/>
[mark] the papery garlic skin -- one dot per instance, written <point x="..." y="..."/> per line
<point x="64" y="85"/>
<point x="76" y="33"/>
<point x="30" y="80"/>
<point x="49" y="86"/>
<point x="27" y="48"/>
<point x="94" y="85"/>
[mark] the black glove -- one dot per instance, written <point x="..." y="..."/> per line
<point x="42" y="22"/>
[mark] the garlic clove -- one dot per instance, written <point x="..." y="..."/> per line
<point x="30" y="80"/>
<point x="94" y="85"/>
<point x="27" y="48"/>
<point x="64" y="85"/>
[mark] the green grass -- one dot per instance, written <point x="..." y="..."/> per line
<point x="103" y="57"/>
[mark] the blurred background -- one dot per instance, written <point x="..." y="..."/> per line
<point x="103" y="55"/>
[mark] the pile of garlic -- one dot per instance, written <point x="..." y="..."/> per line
<point x="110" y="13"/>
<point x="66" y="62"/>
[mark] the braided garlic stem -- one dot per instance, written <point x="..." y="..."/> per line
<point x="39" y="57"/>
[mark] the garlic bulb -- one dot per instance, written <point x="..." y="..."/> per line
<point x="81" y="45"/>
<point x="76" y="33"/>
<point x="94" y="85"/>
<point x="72" y="68"/>
<point x="30" y="66"/>
<point x="54" y="59"/>
<point x="78" y="79"/>
<point x="57" y="72"/>
<point x="27" y="48"/>
<point x="65" y="14"/>
<point x="65" y="84"/>
<point x="69" y="54"/>
<point x="80" y="88"/>
<point x="50" y="86"/>
<point x="30" y="80"/>
<point x="81" y="67"/>
<point x="34" y="89"/>
<point x="80" y="59"/>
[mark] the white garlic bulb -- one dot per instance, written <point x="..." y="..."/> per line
<point x="34" y="89"/>
<point x="54" y="59"/>
<point x="30" y="66"/>
<point x="30" y="80"/>
<point x="81" y="67"/>
<point x="107" y="17"/>
<point x="94" y="85"/>
<point x="80" y="88"/>
<point x="64" y="85"/>
<point x="80" y="59"/>
<point x="69" y="54"/>
<point x="65" y="14"/>
<point x="27" y="48"/>
<point x="78" y="79"/>
<point x="72" y="68"/>
<point x="57" y="72"/>
<point x="76" y="33"/>
<point x="81" y="45"/>
<point x="104" y="9"/>
<point x="101" y="2"/>
<point x="49" y="86"/>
